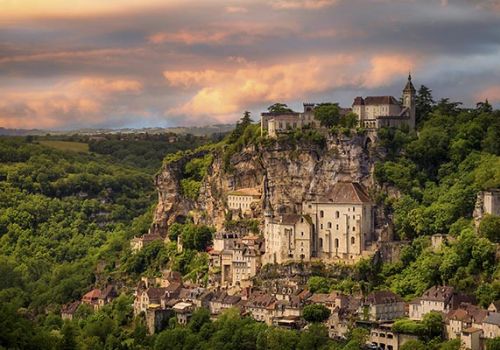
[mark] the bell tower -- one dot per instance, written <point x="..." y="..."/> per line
<point x="409" y="94"/>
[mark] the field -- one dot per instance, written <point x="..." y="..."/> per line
<point x="67" y="146"/>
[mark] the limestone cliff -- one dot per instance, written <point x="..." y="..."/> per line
<point x="294" y="172"/>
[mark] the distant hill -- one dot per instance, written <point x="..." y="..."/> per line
<point x="194" y="130"/>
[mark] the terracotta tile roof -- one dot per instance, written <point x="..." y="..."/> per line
<point x="380" y="100"/>
<point x="92" y="295"/>
<point x="346" y="193"/>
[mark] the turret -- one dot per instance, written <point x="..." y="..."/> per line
<point x="409" y="94"/>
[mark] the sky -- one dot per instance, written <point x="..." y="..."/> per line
<point x="67" y="64"/>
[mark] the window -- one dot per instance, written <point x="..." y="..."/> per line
<point x="336" y="242"/>
<point x="321" y="226"/>
<point x="353" y="208"/>
<point x="321" y="242"/>
<point x="321" y="213"/>
<point x="337" y="226"/>
<point x="329" y="225"/>
<point x="353" y="240"/>
<point x="353" y="228"/>
<point x="337" y="214"/>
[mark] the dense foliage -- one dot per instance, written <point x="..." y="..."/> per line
<point x="439" y="173"/>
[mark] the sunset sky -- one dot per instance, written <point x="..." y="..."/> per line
<point x="135" y="63"/>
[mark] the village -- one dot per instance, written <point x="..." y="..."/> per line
<point x="334" y="227"/>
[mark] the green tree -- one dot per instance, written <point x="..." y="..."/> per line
<point x="316" y="313"/>
<point x="279" y="108"/>
<point x="489" y="227"/>
<point x="423" y="103"/>
<point x="328" y="114"/>
<point x="493" y="344"/>
<point x="314" y="338"/>
<point x="413" y="345"/>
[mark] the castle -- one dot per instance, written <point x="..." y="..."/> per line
<point x="374" y="112"/>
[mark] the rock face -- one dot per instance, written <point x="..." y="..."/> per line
<point x="293" y="173"/>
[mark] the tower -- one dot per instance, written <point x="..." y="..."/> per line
<point x="409" y="94"/>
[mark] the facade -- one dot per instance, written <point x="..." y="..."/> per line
<point x="384" y="338"/>
<point x="382" y="306"/>
<point x="276" y="123"/>
<point x="69" y="310"/>
<point x="487" y="202"/>
<point x="437" y="298"/>
<point x="236" y="259"/>
<point x="491" y="325"/>
<point x="243" y="199"/>
<point x="466" y="316"/>
<point x="339" y="225"/>
<point x="375" y="112"/>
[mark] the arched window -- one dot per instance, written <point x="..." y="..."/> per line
<point x="321" y="213"/>
<point x="321" y="242"/>
<point x="329" y="225"/>
<point x="337" y="214"/>
<point x="353" y="240"/>
<point x="336" y="242"/>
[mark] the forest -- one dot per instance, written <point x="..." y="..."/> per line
<point x="66" y="219"/>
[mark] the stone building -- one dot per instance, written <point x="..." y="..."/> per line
<point x="243" y="199"/>
<point x="375" y="112"/>
<point x="487" y="202"/>
<point x="235" y="259"/>
<point x="382" y="306"/>
<point x="276" y="123"/>
<point x="338" y="225"/>
<point x="437" y="298"/>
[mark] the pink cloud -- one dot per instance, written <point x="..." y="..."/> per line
<point x="235" y="9"/>
<point x="491" y="93"/>
<point x="384" y="68"/>
<point x="302" y="4"/>
<point x="85" y="101"/>
<point x="223" y="92"/>
<point x="189" y="37"/>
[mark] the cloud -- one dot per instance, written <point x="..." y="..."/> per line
<point x="302" y="4"/>
<point x="84" y="101"/>
<point x="224" y="92"/>
<point x="490" y="93"/>
<point x="384" y="68"/>
<point x="235" y="9"/>
<point x="189" y="37"/>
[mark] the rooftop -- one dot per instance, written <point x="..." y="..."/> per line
<point x="345" y="193"/>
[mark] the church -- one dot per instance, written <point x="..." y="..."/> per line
<point x="337" y="226"/>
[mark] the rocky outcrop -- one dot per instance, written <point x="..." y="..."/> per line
<point x="294" y="172"/>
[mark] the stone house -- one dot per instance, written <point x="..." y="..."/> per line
<point x="107" y="295"/>
<point x="471" y="339"/>
<point x="261" y="306"/>
<point x="69" y="310"/>
<point x="491" y="325"/>
<point x="466" y="316"/>
<point x="437" y="298"/>
<point x="92" y="298"/>
<point x="222" y="301"/>
<point x="382" y="306"/>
